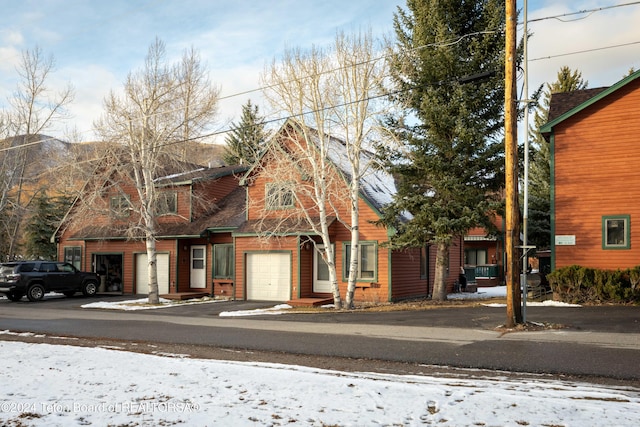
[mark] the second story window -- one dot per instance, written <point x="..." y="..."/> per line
<point x="279" y="196"/>
<point x="120" y="206"/>
<point x="167" y="203"/>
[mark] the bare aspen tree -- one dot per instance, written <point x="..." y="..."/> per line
<point x="329" y="93"/>
<point x="359" y="76"/>
<point x="34" y="108"/>
<point x="162" y="106"/>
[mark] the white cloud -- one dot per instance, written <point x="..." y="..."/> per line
<point x="556" y="43"/>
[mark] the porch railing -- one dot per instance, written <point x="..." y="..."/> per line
<point x="488" y="271"/>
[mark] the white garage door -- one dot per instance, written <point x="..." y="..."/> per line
<point x="269" y="276"/>
<point x="142" y="275"/>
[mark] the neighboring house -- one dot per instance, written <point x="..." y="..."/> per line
<point x="595" y="178"/>
<point x="283" y="265"/>
<point x="484" y="255"/>
<point x="199" y="210"/>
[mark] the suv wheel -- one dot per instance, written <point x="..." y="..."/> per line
<point x="90" y="289"/>
<point x="15" y="297"/>
<point x="35" y="292"/>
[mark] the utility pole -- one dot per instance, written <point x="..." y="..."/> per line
<point x="511" y="169"/>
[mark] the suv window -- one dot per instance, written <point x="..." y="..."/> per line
<point x="48" y="267"/>
<point x="66" y="268"/>
<point x="27" y="267"/>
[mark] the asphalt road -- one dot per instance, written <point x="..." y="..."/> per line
<point x="597" y="342"/>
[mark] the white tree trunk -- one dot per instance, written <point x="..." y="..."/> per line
<point x="354" y="260"/>
<point x="154" y="296"/>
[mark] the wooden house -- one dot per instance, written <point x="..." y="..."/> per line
<point x="200" y="209"/>
<point x="484" y="255"/>
<point x="594" y="137"/>
<point x="287" y="265"/>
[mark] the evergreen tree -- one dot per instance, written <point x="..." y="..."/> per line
<point x="539" y="224"/>
<point x="246" y="139"/>
<point x="41" y="226"/>
<point x="447" y="69"/>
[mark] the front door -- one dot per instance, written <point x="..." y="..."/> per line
<point x="198" y="266"/>
<point x="321" y="282"/>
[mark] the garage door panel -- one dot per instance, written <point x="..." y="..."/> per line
<point x="142" y="275"/>
<point x="268" y="276"/>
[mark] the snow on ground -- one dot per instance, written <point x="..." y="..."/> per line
<point x="58" y="385"/>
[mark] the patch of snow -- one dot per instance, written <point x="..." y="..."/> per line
<point x="56" y="385"/>
<point x="143" y="304"/>
<point x="278" y="309"/>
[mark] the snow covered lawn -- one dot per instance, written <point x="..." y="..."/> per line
<point x="58" y="385"/>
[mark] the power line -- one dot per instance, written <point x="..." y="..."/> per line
<point x="581" y="12"/>
<point x="439" y="44"/>
<point x="585" y="51"/>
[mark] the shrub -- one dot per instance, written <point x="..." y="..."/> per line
<point x="579" y="285"/>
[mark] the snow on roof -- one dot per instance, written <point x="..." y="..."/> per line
<point x="376" y="185"/>
<point x="177" y="175"/>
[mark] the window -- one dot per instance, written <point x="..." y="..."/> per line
<point x="73" y="255"/>
<point x="223" y="261"/>
<point x="615" y="232"/>
<point x="475" y="256"/>
<point x="367" y="267"/>
<point x="64" y="268"/>
<point x="48" y="267"/>
<point x="167" y="203"/>
<point x="279" y="196"/>
<point x="120" y="206"/>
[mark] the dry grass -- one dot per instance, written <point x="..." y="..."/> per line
<point x="407" y="305"/>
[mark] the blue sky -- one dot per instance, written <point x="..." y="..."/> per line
<point x="96" y="43"/>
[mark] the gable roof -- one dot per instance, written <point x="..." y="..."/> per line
<point x="568" y="104"/>
<point x="377" y="187"/>
<point x="227" y="214"/>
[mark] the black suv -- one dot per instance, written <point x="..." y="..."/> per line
<point x="36" y="278"/>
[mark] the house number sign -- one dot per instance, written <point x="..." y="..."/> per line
<point x="565" y="240"/>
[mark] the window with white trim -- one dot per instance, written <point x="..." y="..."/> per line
<point x="120" y="206"/>
<point x="616" y="232"/>
<point x="279" y="196"/>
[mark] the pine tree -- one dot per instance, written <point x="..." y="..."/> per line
<point x="447" y="69"/>
<point x="41" y="226"/>
<point x="539" y="224"/>
<point x="247" y="138"/>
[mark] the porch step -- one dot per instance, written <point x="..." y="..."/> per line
<point x="185" y="295"/>
<point x="310" y="302"/>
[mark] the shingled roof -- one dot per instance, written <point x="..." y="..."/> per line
<point x="562" y="102"/>
<point x="565" y="105"/>
<point x="227" y="214"/>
